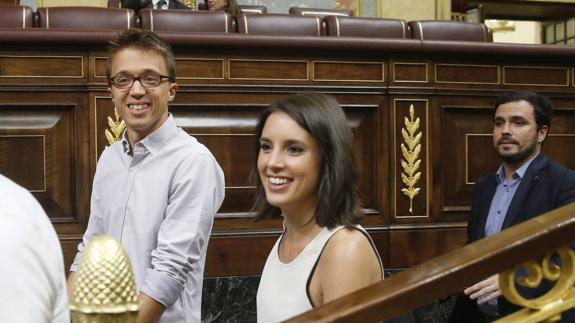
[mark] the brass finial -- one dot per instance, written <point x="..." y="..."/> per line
<point x="104" y="286"/>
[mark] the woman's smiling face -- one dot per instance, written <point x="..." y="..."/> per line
<point x="288" y="163"/>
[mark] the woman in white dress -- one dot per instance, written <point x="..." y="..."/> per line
<point x="307" y="173"/>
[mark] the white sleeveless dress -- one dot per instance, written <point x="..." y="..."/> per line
<point x="283" y="289"/>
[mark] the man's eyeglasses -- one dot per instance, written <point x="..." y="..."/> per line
<point x="125" y="81"/>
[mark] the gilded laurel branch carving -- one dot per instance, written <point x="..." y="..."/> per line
<point x="191" y="4"/>
<point x="547" y="307"/>
<point x="410" y="150"/>
<point x="116" y="126"/>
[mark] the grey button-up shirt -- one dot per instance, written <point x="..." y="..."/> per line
<point x="160" y="202"/>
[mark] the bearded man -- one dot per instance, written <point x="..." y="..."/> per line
<point x="527" y="184"/>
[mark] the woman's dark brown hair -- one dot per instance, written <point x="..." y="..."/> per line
<point x="321" y="116"/>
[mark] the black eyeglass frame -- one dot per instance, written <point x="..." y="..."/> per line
<point x="134" y="79"/>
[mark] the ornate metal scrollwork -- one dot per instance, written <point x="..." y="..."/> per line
<point x="547" y="307"/>
<point x="410" y="149"/>
<point x="117" y="126"/>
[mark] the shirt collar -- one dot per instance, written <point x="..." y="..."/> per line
<point x="156" y="140"/>
<point x="519" y="173"/>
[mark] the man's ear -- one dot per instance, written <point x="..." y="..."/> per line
<point x="542" y="133"/>
<point x="173" y="89"/>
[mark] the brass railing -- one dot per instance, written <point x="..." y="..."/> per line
<point x="449" y="274"/>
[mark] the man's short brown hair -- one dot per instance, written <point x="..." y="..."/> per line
<point x="143" y="40"/>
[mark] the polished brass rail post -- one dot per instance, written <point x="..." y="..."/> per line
<point x="104" y="287"/>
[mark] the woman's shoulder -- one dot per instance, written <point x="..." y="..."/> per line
<point x="348" y="262"/>
<point x="349" y="243"/>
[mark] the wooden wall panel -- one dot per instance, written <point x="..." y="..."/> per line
<point x="229" y="255"/>
<point x="536" y="76"/>
<point x="37" y="152"/>
<point x="364" y="123"/>
<point x="467" y="74"/>
<point x="29" y="169"/>
<point x="561" y="140"/>
<point x="42" y="66"/>
<point x="29" y="68"/>
<point x="466" y="150"/>
<point x="199" y="69"/>
<point x="55" y="106"/>
<point x="98" y="68"/>
<point x="348" y="71"/>
<point x="228" y="131"/>
<point x="416" y="72"/>
<point x="268" y="70"/>
<point x="409" y="246"/>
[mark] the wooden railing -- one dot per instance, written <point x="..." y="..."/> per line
<point x="449" y="274"/>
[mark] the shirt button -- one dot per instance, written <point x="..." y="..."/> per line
<point x="132" y="169"/>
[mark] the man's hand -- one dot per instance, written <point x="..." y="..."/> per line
<point x="485" y="290"/>
<point x="150" y="309"/>
<point x="70" y="285"/>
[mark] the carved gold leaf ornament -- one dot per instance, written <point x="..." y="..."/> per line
<point x="547" y="307"/>
<point x="116" y="126"/>
<point x="410" y="150"/>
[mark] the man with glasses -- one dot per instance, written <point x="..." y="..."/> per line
<point x="158" y="189"/>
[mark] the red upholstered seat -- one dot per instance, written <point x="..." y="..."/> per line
<point x="86" y="18"/>
<point x="186" y="21"/>
<point x="19" y="17"/>
<point x="279" y="24"/>
<point x="366" y="27"/>
<point x="320" y="12"/>
<point x="450" y="30"/>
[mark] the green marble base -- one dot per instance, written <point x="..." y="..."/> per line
<point x="233" y="299"/>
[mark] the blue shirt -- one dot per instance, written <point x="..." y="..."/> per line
<point x="498" y="210"/>
<point x="503" y="196"/>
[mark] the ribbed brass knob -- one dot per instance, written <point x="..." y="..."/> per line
<point x="104" y="287"/>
